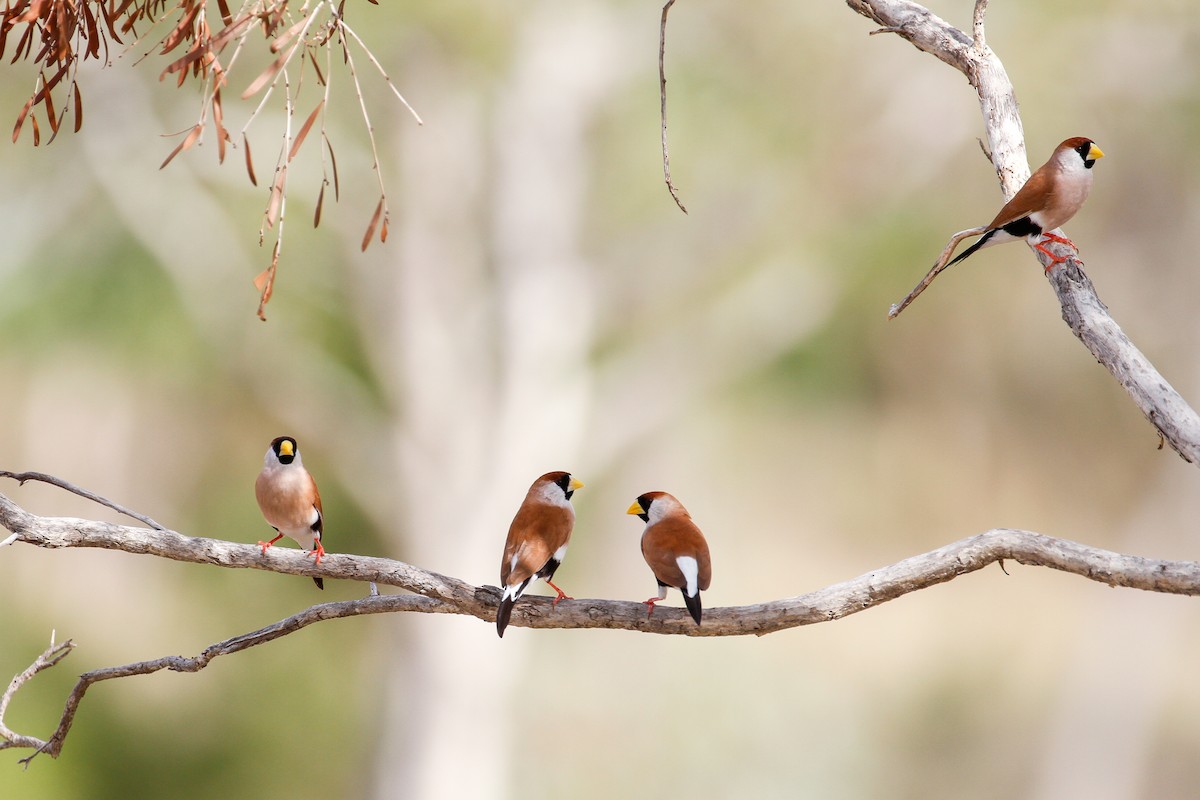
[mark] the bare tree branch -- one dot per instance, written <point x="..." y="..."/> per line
<point x="53" y="746"/>
<point x="1082" y="309"/>
<point x="438" y="594"/>
<point x="21" y="477"/>
<point x="662" y="97"/>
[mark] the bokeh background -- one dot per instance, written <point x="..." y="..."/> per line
<point x="541" y="304"/>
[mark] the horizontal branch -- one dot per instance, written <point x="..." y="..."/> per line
<point x="454" y="596"/>
<point x="438" y="594"/>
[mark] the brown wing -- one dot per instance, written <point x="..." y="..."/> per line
<point x="319" y="525"/>
<point x="1029" y="198"/>
<point x="667" y="540"/>
<point x="536" y="533"/>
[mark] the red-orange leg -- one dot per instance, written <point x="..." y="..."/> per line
<point x="561" y="594"/>
<point x="650" y="605"/>
<point x="318" y="551"/>
<point x="1054" y="260"/>
<point x="265" y="545"/>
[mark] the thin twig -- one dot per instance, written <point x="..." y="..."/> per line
<point x="319" y="613"/>
<point x="977" y="26"/>
<point x="21" y="477"/>
<point x="662" y="96"/>
<point x="942" y="262"/>
<point x="378" y="66"/>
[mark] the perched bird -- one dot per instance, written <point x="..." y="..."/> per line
<point x="537" y="540"/>
<point x="289" y="500"/>
<point x="674" y="548"/>
<point x="1052" y="195"/>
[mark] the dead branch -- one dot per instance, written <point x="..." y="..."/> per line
<point x="439" y="594"/>
<point x="1082" y="309"/>
<point x="662" y="97"/>
<point x="939" y="265"/>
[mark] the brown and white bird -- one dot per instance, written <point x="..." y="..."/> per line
<point x="289" y="500"/>
<point x="674" y="548"/>
<point x="1053" y="194"/>
<point x="537" y="540"/>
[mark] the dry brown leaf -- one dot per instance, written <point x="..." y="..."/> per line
<point x="78" y="109"/>
<point x="316" y="67"/>
<point x="264" y="77"/>
<point x="320" y="203"/>
<point x="249" y="163"/>
<point x="37" y="135"/>
<point x="48" y="104"/>
<point x="304" y="129"/>
<point x="21" y="119"/>
<point x="337" y="195"/>
<point x="187" y="142"/>
<point x="218" y="123"/>
<point x="282" y="39"/>
<point x="265" y="283"/>
<point x="374" y="221"/>
<point x="276" y="198"/>
<point x="182" y="32"/>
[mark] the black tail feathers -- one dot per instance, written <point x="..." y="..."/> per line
<point x="693" y="606"/>
<point x="503" y="614"/>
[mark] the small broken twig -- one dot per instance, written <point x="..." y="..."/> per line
<point x="942" y="262"/>
<point x="21" y="477"/>
<point x="662" y="96"/>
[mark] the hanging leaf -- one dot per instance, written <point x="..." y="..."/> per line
<point x="337" y="195"/>
<point x="374" y="221"/>
<point x="276" y="199"/>
<point x="187" y="142"/>
<point x="21" y="119"/>
<point x="249" y="163"/>
<point x="320" y="203"/>
<point x="264" y="77"/>
<point x="219" y="124"/>
<point x="265" y="283"/>
<point x="304" y="129"/>
<point x="78" y="108"/>
<point x="282" y="39"/>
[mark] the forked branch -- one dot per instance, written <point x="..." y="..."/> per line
<point x="1082" y="310"/>
<point x="440" y="594"/>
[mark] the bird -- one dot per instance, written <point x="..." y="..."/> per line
<point x="537" y="540"/>
<point x="1053" y="195"/>
<point x="288" y="498"/>
<point x="674" y="548"/>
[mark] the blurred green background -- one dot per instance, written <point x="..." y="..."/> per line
<point x="541" y="304"/>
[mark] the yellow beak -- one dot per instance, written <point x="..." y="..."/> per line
<point x="1095" y="152"/>
<point x="575" y="484"/>
<point x="635" y="509"/>
<point x="285" y="449"/>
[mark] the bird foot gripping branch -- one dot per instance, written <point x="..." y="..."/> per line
<point x="1053" y="195"/>
<point x="537" y="540"/>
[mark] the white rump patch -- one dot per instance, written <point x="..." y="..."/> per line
<point x="691" y="570"/>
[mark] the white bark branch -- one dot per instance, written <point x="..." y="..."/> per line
<point x="1082" y="310"/>
<point x="438" y="594"/>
